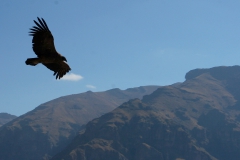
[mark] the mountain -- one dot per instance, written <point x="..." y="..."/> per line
<point x="46" y="130"/>
<point x="195" y="120"/>
<point x="5" y="118"/>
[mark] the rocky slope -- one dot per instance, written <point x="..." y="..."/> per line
<point x="5" y="118"/>
<point x="41" y="133"/>
<point x="195" y="120"/>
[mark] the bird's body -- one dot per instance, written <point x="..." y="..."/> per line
<point x="43" y="46"/>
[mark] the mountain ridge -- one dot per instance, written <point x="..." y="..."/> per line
<point x="44" y="131"/>
<point x="197" y="119"/>
<point x="5" y="118"/>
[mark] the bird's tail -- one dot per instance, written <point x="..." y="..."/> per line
<point x="32" y="61"/>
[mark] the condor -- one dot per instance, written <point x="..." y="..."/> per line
<point x="43" y="46"/>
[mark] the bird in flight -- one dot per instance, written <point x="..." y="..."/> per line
<point x="43" y="46"/>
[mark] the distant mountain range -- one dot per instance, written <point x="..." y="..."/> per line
<point x="195" y="120"/>
<point x="198" y="119"/>
<point x="5" y="118"/>
<point x="49" y="128"/>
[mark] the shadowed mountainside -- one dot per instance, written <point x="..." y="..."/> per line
<point x="5" y="118"/>
<point x="195" y="120"/>
<point x="44" y="131"/>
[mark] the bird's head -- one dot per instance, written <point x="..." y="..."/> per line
<point x="64" y="59"/>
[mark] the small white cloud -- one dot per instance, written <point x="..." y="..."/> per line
<point x="72" y="77"/>
<point x="90" y="86"/>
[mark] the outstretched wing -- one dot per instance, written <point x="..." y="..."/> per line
<point x="60" y="69"/>
<point x="43" y="42"/>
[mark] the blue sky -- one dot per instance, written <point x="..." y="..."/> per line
<point x="113" y="44"/>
